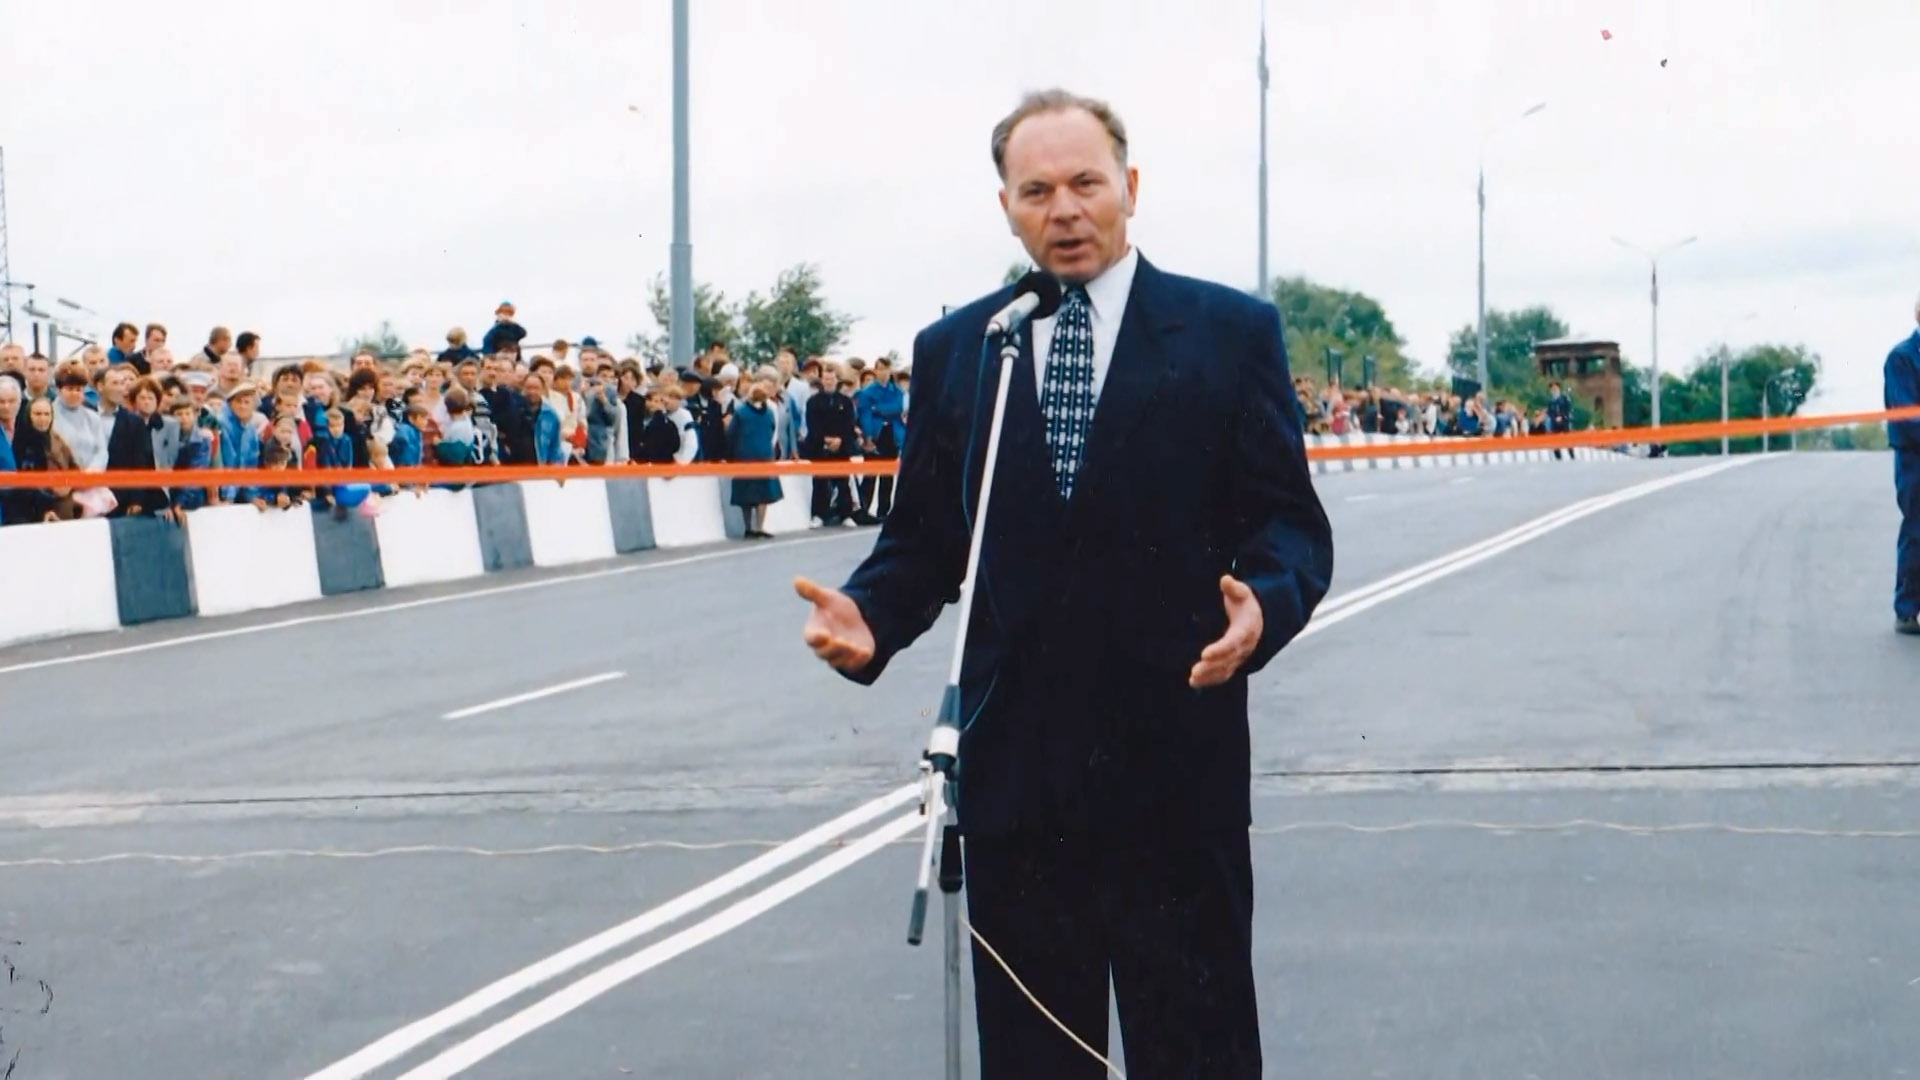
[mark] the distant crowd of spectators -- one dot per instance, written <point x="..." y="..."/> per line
<point x="133" y="406"/>
<point x="1387" y="411"/>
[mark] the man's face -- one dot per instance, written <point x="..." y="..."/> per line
<point x="156" y="339"/>
<point x="1066" y="196"/>
<point x="160" y="358"/>
<point x="232" y="368"/>
<point x="9" y="400"/>
<point x="363" y="361"/>
<point x="252" y="350"/>
<point x="243" y="406"/>
<point x="115" y="386"/>
<point x="12" y="356"/>
<point x="221" y="344"/>
<point x="287" y="385"/>
<point x="784" y="361"/>
<point x="96" y="359"/>
<point x="39" y="374"/>
<point x="468" y="376"/>
<point x="535" y="388"/>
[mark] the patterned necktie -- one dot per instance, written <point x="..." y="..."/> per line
<point x="1066" y="394"/>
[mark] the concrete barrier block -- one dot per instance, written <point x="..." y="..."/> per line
<point x="794" y="512"/>
<point x="150" y="573"/>
<point x="244" y="559"/>
<point x="427" y="537"/>
<point x="501" y="516"/>
<point x="732" y="518"/>
<point x="347" y="547"/>
<point x="631" y="514"/>
<point x="686" y="511"/>
<point x="56" y="578"/>
<point x="567" y="523"/>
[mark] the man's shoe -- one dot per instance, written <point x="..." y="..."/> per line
<point x="1908" y="625"/>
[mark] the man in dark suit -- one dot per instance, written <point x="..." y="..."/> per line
<point x="1902" y="390"/>
<point x="1133" y="577"/>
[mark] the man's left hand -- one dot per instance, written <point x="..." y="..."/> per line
<point x="1220" y="660"/>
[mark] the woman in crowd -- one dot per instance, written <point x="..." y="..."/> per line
<point x="38" y="447"/>
<point x="752" y="436"/>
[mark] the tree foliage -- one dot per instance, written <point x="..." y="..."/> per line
<point x="384" y="342"/>
<point x="1785" y="374"/>
<point x="1014" y="273"/>
<point x="1331" y="331"/>
<point x="1511" y="336"/>
<point x="793" y="313"/>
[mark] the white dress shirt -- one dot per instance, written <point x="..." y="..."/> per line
<point x="1107" y="295"/>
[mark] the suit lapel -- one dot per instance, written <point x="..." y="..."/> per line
<point x="1142" y="361"/>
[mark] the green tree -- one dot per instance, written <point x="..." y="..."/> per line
<point x="1786" y="374"/>
<point x="1319" y="319"/>
<point x="713" y="320"/>
<point x="794" y="314"/>
<point x="1014" y="273"/>
<point x="1511" y="336"/>
<point x="385" y="342"/>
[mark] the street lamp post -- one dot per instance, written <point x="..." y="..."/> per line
<point x="1653" y="261"/>
<point x="1265" y="281"/>
<point x="1480" y="348"/>
<point x="1726" y="358"/>
<point x="680" y="327"/>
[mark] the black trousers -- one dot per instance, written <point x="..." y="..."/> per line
<point x="1168" y="919"/>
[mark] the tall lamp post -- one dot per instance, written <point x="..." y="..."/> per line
<point x="1265" y="281"/>
<point x="1653" y="261"/>
<point x="680" y="325"/>
<point x="1726" y="358"/>
<point x="1486" y="386"/>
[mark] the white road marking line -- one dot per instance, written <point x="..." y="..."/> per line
<point x="477" y="1047"/>
<point x="534" y="695"/>
<point x="392" y="1046"/>
<point x="489" y="1041"/>
<point x="1362" y="498"/>
<point x="1427" y="573"/>
<point x="429" y="601"/>
<point x="1457" y="481"/>
<point x="1579" y="509"/>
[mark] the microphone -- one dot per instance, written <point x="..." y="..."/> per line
<point x="1035" y="296"/>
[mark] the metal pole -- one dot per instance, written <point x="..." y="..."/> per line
<point x="1727" y="354"/>
<point x="680" y="345"/>
<point x="1656" y="343"/>
<point x="1481" y="348"/>
<point x="1265" y="281"/>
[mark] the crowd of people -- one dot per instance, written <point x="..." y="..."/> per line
<point x="134" y="406"/>
<point x="1377" y="409"/>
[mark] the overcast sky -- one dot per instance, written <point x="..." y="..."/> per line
<point x="306" y="170"/>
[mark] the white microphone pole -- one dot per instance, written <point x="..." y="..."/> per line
<point x="939" y="764"/>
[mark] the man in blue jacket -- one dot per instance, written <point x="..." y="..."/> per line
<point x="878" y="407"/>
<point x="1902" y="391"/>
<point x="1129" y="584"/>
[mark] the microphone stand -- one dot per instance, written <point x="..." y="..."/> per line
<point x="938" y="766"/>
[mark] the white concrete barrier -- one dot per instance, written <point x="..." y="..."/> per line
<point x="794" y="512"/>
<point x="241" y="558"/>
<point x="568" y="523"/>
<point x="56" y="578"/>
<point x="686" y="511"/>
<point x="426" y="538"/>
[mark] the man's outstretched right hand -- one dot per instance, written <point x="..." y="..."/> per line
<point x="836" y="631"/>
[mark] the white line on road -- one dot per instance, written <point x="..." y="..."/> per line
<point x="477" y="1047"/>
<point x="427" y="601"/>
<point x="1347" y="605"/>
<point x="534" y="695"/>
<point x="491" y="1040"/>
<point x="390" y="1047"/>
<point x="1362" y="498"/>
<point x="1458" y="480"/>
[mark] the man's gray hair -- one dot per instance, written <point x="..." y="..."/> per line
<point x="1057" y="100"/>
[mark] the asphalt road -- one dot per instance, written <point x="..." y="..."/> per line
<point x="1627" y="794"/>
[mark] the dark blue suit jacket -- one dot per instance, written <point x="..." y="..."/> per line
<point x="1089" y="615"/>
<point x="1903" y="389"/>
